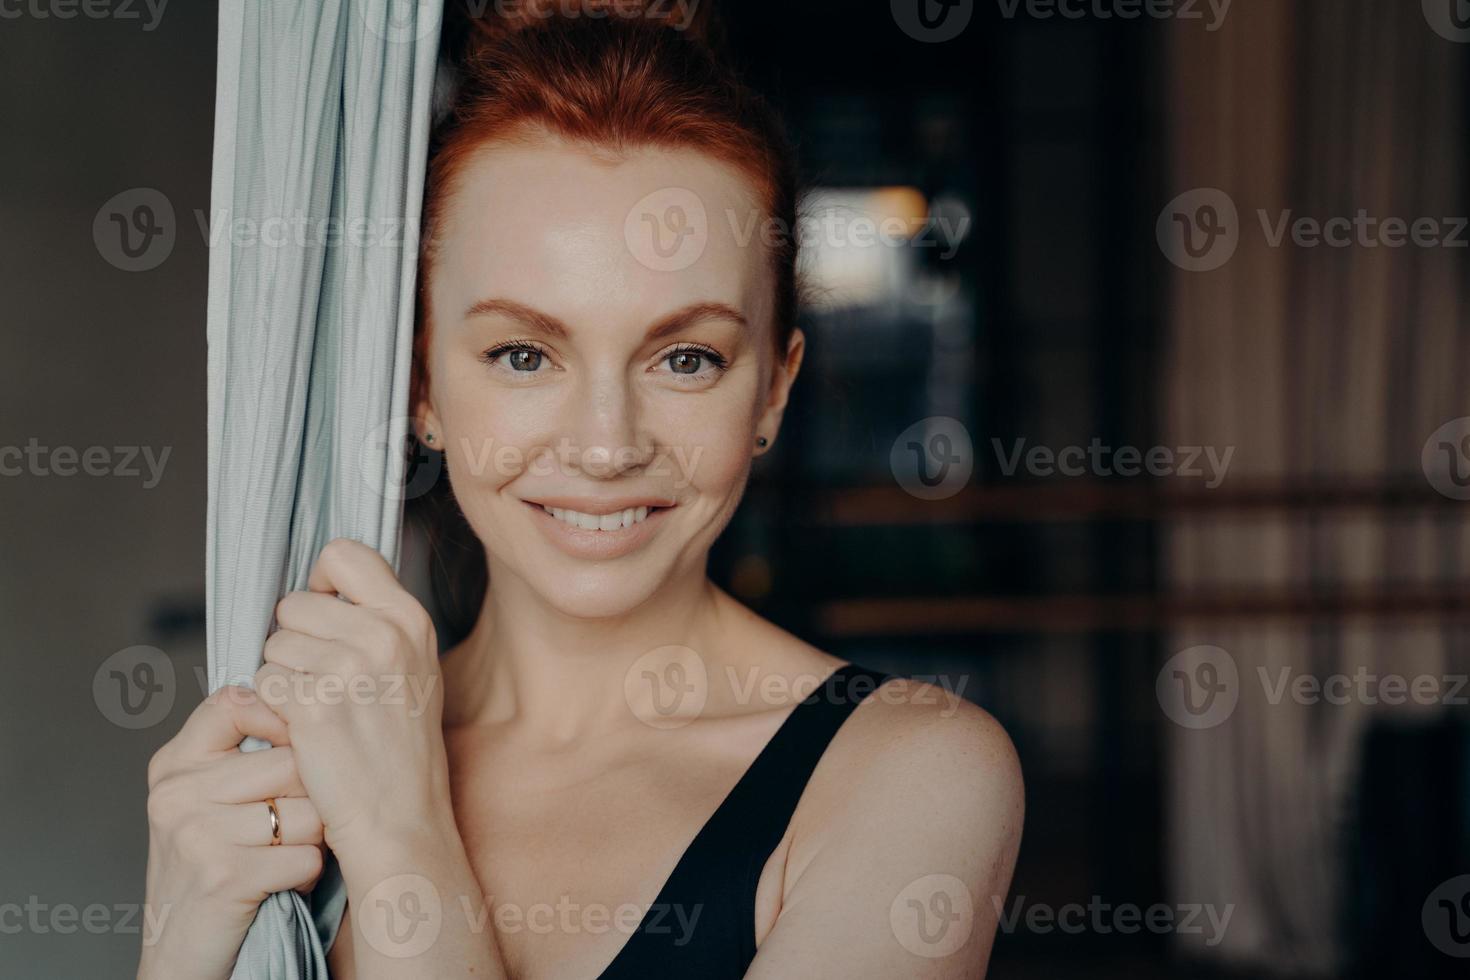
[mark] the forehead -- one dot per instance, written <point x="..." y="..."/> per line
<point x="578" y="233"/>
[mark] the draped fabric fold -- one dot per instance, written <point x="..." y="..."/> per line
<point x="321" y="133"/>
<point x="1327" y="366"/>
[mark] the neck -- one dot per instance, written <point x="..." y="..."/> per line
<point x="561" y="678"/>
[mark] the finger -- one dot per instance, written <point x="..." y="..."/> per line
<point x="247" y="777"/>
<point x="281" y="688"/>
<point x="302" y="652"/>
<point x="279" y="869"/>
<point x="249" y="824"/>
<point x="226" y="717"/>
<point x="356" y="571"/>
<point x="316" y="614"/>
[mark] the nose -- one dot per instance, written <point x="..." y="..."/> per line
<point x="606" y="428"/>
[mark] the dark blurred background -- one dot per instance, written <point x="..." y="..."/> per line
<point x="1113" y="442"/>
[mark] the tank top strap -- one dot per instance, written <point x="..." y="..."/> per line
<point x="759" y="808"/>
<point x="703" y="921"/>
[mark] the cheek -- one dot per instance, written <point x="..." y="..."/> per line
<point x="484" y="436"/>
<point x="705" y="438"/>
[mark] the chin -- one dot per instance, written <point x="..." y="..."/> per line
<point x="598" y="591"/>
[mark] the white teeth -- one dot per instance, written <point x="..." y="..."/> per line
<point x="615" y="521"/>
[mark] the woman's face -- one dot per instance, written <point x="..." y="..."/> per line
<point x="598" y="391"/>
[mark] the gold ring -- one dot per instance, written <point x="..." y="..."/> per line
<point x="275" y="821"/>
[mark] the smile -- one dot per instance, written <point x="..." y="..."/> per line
<point x="615" y="521"/>
<point x="597" y="536"/>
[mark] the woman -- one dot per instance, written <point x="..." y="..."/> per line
<point x="620" y="771"/>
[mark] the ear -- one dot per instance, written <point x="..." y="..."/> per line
<point x="782" y="378"/>
<point x="425" y="422"/>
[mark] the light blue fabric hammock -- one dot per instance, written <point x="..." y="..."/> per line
<point x="321" y="130"/>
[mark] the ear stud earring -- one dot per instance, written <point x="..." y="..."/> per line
<point x="760" y="441"/>
<point x="429" y="437"/>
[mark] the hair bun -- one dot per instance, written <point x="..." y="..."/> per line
<point x="473" y="30"/>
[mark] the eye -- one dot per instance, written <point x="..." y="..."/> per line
<point x="686" y="362"/>
<point x="694" y="360"/>
<point x="521" y="356"/>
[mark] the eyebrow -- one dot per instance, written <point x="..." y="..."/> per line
<point x="544" y="323"/>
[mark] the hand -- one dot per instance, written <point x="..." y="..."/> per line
<point x="210" y="859"/>
<point x="359" y="687"/>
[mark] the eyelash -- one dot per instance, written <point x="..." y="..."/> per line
<point x="499" y="350"/>
<point x="715" y="358"/>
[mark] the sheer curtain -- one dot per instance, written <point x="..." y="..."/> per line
<point x="1323" y="365"/>
<point x="321" y="131"/>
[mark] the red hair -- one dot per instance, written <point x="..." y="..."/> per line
<point x="613" y="75"/>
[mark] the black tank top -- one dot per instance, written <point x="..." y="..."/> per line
<point x="702" y="925"/>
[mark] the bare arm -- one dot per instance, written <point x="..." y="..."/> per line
<point x="358" y="685"/>
<point x="900" y="865"/>
<point x="415" y="910"/>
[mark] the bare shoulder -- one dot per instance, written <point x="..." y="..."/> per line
<point x="901" y="851"/>
<point x="910" y="750"/>
<point x="918" y="750"/>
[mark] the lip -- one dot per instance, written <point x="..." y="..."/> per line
<point x="597" y="545"/>
<point x="601" y="505"/>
